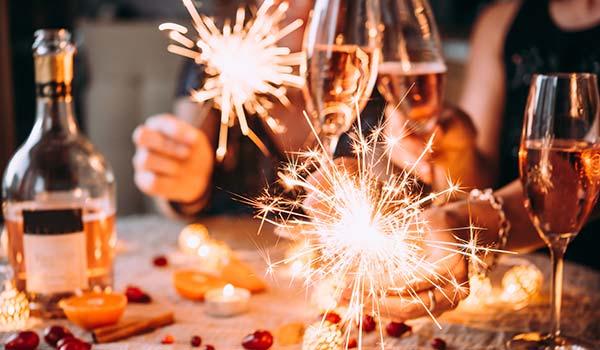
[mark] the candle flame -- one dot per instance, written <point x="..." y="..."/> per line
<point x="228" y="290"/>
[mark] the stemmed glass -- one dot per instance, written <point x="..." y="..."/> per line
<point x="411" y="77"/>
<point x="559" y="164"/>
<point x="342" y="44"/>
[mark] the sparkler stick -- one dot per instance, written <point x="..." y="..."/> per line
<point x="246" y="71"/>
<point x="364" y="228"/>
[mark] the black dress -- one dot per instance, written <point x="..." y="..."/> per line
<point x="535" y="44"/>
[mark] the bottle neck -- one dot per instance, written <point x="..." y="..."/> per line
<point x="55" y="111"/>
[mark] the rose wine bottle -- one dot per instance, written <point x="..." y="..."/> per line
<point x="58" y="193"/>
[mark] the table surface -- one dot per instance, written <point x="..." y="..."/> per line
<point x="143" y="237"/>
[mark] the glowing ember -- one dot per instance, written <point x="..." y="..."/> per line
<point x="367" y="234"/>
<point x="246" y="70"/>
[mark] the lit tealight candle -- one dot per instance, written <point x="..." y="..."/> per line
<point x="228" y="301"/>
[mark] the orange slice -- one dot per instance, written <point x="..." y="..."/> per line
<point x="242" y="275"/>
<point x="192" y="284"/>
<point x="93" y="310"/>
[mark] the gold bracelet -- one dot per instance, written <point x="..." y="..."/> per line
<point x="504" y="224"/>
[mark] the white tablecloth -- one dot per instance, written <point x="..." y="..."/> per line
<point x="147" y="236"/>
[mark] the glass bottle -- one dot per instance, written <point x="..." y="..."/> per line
<point x="58" y="192"/>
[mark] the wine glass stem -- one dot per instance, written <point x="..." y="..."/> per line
<point x="557" y="253"/>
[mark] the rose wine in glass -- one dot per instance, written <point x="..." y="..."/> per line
<point x="342" y="44"/>
<point x="559" y="163"/>
<point x="412" y="74"/>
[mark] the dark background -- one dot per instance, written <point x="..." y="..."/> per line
<point x="25" y="16"/>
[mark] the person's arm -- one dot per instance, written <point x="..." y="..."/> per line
<point x="522" y="236"/>
<point x="483" y="96"/>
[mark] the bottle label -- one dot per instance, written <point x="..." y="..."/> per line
<point x="54" y="245"/>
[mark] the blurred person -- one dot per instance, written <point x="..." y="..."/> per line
<point x="511" y="41"/>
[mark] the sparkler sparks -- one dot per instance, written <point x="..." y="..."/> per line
<point x="246" y="70"/>
<point x="364" y="229"/>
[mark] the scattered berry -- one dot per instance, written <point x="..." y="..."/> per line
<point x="332" y="317"/>
<point x="137" y="295"/>
<point x="259" y="340"/>
<point x="196" y="341"/>
<point x="352" y="343"/>
<point x="26" y="340"/>
<point x="397" y="329"/>
<point x="368" y="324"/>
<point x="160" y="261"/>
<point x="52" y="334"/>
<point x="168" y="339"/>
<point x="209" y="347"/>
<point x="438" y="344"/>
<point x="75" y="344"/>
<point x="66" y="340"/>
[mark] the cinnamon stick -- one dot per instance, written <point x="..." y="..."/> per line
<point x="132" y="328"/>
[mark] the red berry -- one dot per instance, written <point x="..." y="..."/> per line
<point x="397" y="329"/>
<point x="168" y="339"/>
<point x="368" y="324"/>
<point x="332" y="317"/>
<point x="137" y="295"/>
<point x="352" y="343"/>
<point x="438" y="344"/>
<point x="75" y="344"/>
<point x="52" y="334"/>
<point x="66" y="340"/>
<point x="209" y="347"/>
<point x="26" y="340"/>
<point x="196" y="341"/>
<point x="259" y="340"/>
<point x="160" y="261"/>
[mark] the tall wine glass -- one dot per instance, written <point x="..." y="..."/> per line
<point x="411" y="77"/>
<point x="342" y="44"/>
<point x="559" y="164"/>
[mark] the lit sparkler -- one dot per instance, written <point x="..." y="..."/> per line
<point x="247" y="72"/>
<point x="366" y="233"/>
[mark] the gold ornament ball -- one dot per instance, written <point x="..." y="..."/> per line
<point x="192" y="237"/>
<point x="14" y="308"/>
<point x="521" y="283"/>
<point x="323" y="336"/>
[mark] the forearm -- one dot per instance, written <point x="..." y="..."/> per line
<point x="522" y="236"/>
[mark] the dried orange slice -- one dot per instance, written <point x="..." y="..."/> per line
<point x="93" y="310"/>
<point x="193" y="284"/>
<point x="242" y="275"/>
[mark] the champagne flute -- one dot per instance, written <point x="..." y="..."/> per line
<point x="411" y="77"/>
<point x="342" y="44"/>
<point x="559" y="164"/>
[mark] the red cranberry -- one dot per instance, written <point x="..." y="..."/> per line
<point x="137" y="295"/>
<point x="160" y="261"/>
<point x="168" y="339"/>
<point x="52" y="334"/>
<point x="397" y="329"/>
<point x="438" y="344"/>
<point x="66" y="340"/>
<point x="352" y="343"/>
<point x="196" y="341"/>
<point x="259" y="340"/>
<point x="332" y="317"/>
<point x="75" y="344"/>
<point x="26" y="340"/>
<point x="209" y="347"/>
<point x="368" y="324"/>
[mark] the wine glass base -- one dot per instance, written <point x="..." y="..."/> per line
<point x="539" y="341"/>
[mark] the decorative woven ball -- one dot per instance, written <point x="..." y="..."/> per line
<point x="14" y="308"/>
<point x="323" y="336"/>
<point x="521" y="283"/>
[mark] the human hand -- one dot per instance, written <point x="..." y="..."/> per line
<point x="453" y="148"/>
<point x="444" y="280"/>
<point x="173" y="159"/>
